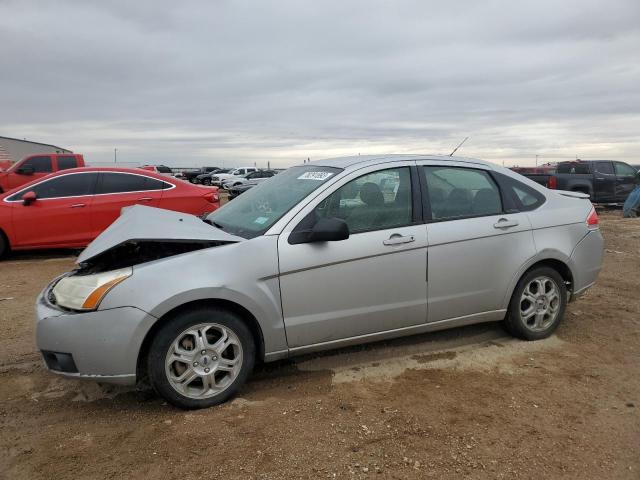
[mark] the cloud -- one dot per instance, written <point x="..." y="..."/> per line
<point x="202" y="82"/>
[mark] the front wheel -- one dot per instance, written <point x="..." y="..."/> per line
<point x="201" y="358"/>
<point x="4" y="245"/>
<point x="537" y="305"/>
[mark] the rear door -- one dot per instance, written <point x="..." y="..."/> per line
<point x="60" y="216"/>
<point x="604" y="182"/>
<point x="116" y="190"/>
<point x="625" y="180"/>
<point x="477" y="242"/>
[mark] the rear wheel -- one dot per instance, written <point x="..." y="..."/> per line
<point x="537" y="305"/>
<point x="201" y="358"/>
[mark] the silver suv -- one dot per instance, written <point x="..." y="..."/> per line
<point x="323" y="255"/>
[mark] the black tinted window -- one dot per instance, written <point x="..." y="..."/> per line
<point x="624" y="170"/>
<point x="522" y="196"/>
<point x="163" y="169"/>
<point x="604" y="167"/>
<point x="66" y="162"/>
<point x="73" y="185"/>
<point x="126" y="182"/>
<point x="39" y="164"/>
<point x="461" y="192"/>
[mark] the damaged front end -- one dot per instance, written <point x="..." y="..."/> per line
<point x="135" y="252"/>
<point x="140" y="235"/>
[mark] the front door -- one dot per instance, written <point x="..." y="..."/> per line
<point x="59" y="216"/>
<point x="39" y="166"/>
<point x="604" y="182"/>
<point x="626" y="177"/>
<point x="372" y="282"/>
<point x="475" y="247"/>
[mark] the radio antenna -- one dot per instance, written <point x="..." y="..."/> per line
<point x="459" y="145"/>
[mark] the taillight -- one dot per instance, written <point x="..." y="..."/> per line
<point x="552" y="183"/>
<point x="212" y="197"/>
<point x="593" y="220"/>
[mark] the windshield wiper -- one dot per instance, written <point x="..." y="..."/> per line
<point x="216" y="224"/>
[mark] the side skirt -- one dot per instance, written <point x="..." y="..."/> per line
<point x="491" y="316"/>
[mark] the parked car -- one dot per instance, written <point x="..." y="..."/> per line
<point x="219" y="178"/>
<point x="323" y="255"/>
<point x="205" y="178"/>
<point x="190" y="175"/>
<point x="68" y="209"/>
<point x="605" y="181"/>
<point x="240" y="189"/>
<point x="161" y="169"/>
<point x="34" y="167"/>
<point x="256" y="177"/>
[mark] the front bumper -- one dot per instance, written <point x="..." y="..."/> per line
<point x="103" y="344"/>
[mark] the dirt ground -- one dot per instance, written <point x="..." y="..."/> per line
<point x="469" y="402"/>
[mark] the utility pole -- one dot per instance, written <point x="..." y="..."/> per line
<point x="115" y="155"/>
<point x="536" y="160"/>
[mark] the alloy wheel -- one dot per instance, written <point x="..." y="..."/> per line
<point x="203" y="360"/>
<point x="540" y="303"/>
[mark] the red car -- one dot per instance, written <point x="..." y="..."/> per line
<point x="68" y="209"/>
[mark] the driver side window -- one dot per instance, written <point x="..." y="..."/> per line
<point x="375" y="201"/>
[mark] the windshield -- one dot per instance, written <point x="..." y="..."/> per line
<point x="253" y="213"/>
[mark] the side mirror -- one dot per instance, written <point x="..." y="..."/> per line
<point x="26" y="170"/>
<point x="29" y="197"/>
<point x="324" y="230"/>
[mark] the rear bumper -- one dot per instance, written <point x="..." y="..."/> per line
<point x="586" y="260"/>
<point x="101" y="345"/>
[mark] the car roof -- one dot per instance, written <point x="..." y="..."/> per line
<point x="364" y="160"/>
<point x="139" y="171"/>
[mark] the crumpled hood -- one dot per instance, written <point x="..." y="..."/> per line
<point x="139" y="223"/>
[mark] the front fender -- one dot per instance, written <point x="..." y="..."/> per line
<point x="211" y="274"/>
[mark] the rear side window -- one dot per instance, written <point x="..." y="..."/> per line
<point x="163" y="169"/>
<point x="574" y="167"/>
<point x="72" y="185"/>
<point x="127" y="182"/>
<point x="603" y="167"/>
<point x="456" y="192"/>
<point x="522" y="196"/>
<point x="39" y="164"/>
<point x="68" y="161"/>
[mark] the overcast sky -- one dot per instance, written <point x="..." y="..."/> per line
<point x="202" y="83"/>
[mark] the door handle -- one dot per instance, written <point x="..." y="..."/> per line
<point x="78" y="205"/>
<point x="397" y="239"/>
<point x="505" y="223"/>
<point x="145" y="199"/>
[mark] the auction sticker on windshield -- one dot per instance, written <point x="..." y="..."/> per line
<point x="315" y="176"/>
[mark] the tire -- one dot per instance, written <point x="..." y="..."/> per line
<point x="206" y="181"/>
<point x="539" y="285"/>
<point x="4" y="245"/>
<point x="184" y="376"/>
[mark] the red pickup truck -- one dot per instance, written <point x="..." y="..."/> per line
<point x="35" y="166"/>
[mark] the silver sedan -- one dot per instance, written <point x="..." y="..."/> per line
<point x="327" y="254"/>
